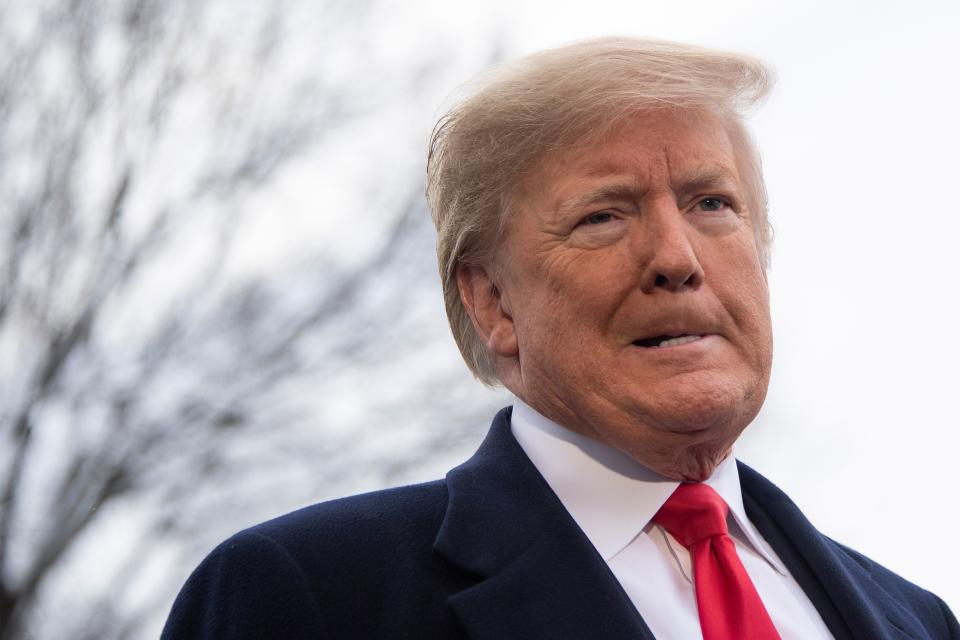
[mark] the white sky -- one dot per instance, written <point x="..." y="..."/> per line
<point x="860" y="141"/>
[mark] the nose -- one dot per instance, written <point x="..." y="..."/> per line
<point x="671" y="259"/>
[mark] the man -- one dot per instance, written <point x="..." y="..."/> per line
<point x="603" y="241"/>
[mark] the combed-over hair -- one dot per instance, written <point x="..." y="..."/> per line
<point x="546" y="102"/>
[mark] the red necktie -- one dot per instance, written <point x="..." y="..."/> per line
<point x="729" y="606"/>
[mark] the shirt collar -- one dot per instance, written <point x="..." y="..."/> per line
<point x="611" y="496"/>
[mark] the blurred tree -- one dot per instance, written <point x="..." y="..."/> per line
<point x="155" y="393"/>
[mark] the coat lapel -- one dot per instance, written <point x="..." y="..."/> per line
<point x="840" y="587"/>
<point x="537" y="574"/>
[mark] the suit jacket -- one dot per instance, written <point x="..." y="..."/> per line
<point x="491" y="553"/>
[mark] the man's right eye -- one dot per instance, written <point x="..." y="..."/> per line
<point x="600" y="217"/>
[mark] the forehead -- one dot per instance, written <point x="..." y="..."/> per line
<point x="653" y="144"/>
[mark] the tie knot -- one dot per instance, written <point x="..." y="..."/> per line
<point x="694" y="512"/>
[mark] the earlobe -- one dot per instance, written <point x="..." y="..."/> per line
<point x="489" y="310"/>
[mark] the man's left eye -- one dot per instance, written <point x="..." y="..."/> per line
<point x="712" y="204"/>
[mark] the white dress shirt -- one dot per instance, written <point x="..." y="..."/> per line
<point x="613" y="498"/>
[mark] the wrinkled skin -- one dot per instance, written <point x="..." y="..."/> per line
<point x="645" y="233"/>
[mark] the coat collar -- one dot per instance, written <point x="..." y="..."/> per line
<point x="538" y="575"/>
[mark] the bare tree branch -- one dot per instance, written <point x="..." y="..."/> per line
<point x="134" y="137"/>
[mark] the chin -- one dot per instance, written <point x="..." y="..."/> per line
<point x="689" y="456"/>
<point x="703" y="409"/>
<point x="687" y="438"/>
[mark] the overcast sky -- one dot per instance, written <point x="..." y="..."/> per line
<point x="860" y="141"/>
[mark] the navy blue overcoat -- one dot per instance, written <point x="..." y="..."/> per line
<point x="490" y="553"/>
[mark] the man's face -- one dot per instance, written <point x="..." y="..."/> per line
<point x="631" y="281"/>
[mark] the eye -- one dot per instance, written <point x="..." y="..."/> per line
<point x="600" y="217"/>
<point x="712" y="204"/>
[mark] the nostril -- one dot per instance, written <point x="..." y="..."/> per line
<point x="693" y="281"/>
<point x="663" y="281"/>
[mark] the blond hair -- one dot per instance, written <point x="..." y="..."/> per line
<point x="521" y="112"/>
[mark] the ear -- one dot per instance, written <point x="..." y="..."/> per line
<point x="488" y="309"/>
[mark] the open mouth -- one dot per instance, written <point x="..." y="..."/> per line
<point x="660" y="342"/>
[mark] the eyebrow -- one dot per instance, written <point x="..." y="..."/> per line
<point x="706" y="176"/>
<point x="617" y="191"/>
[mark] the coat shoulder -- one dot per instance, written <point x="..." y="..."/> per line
<point x="359" y="566"/>
<point x="407" y="516"/>
<point x="929" y="610"/>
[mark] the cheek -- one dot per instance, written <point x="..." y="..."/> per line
<point x="750" y="289"/>
<point x="592" y="283"/>
<point x="565" y="321"/>
<point x="754" y="317"/>
<point x="740" y="283"/>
